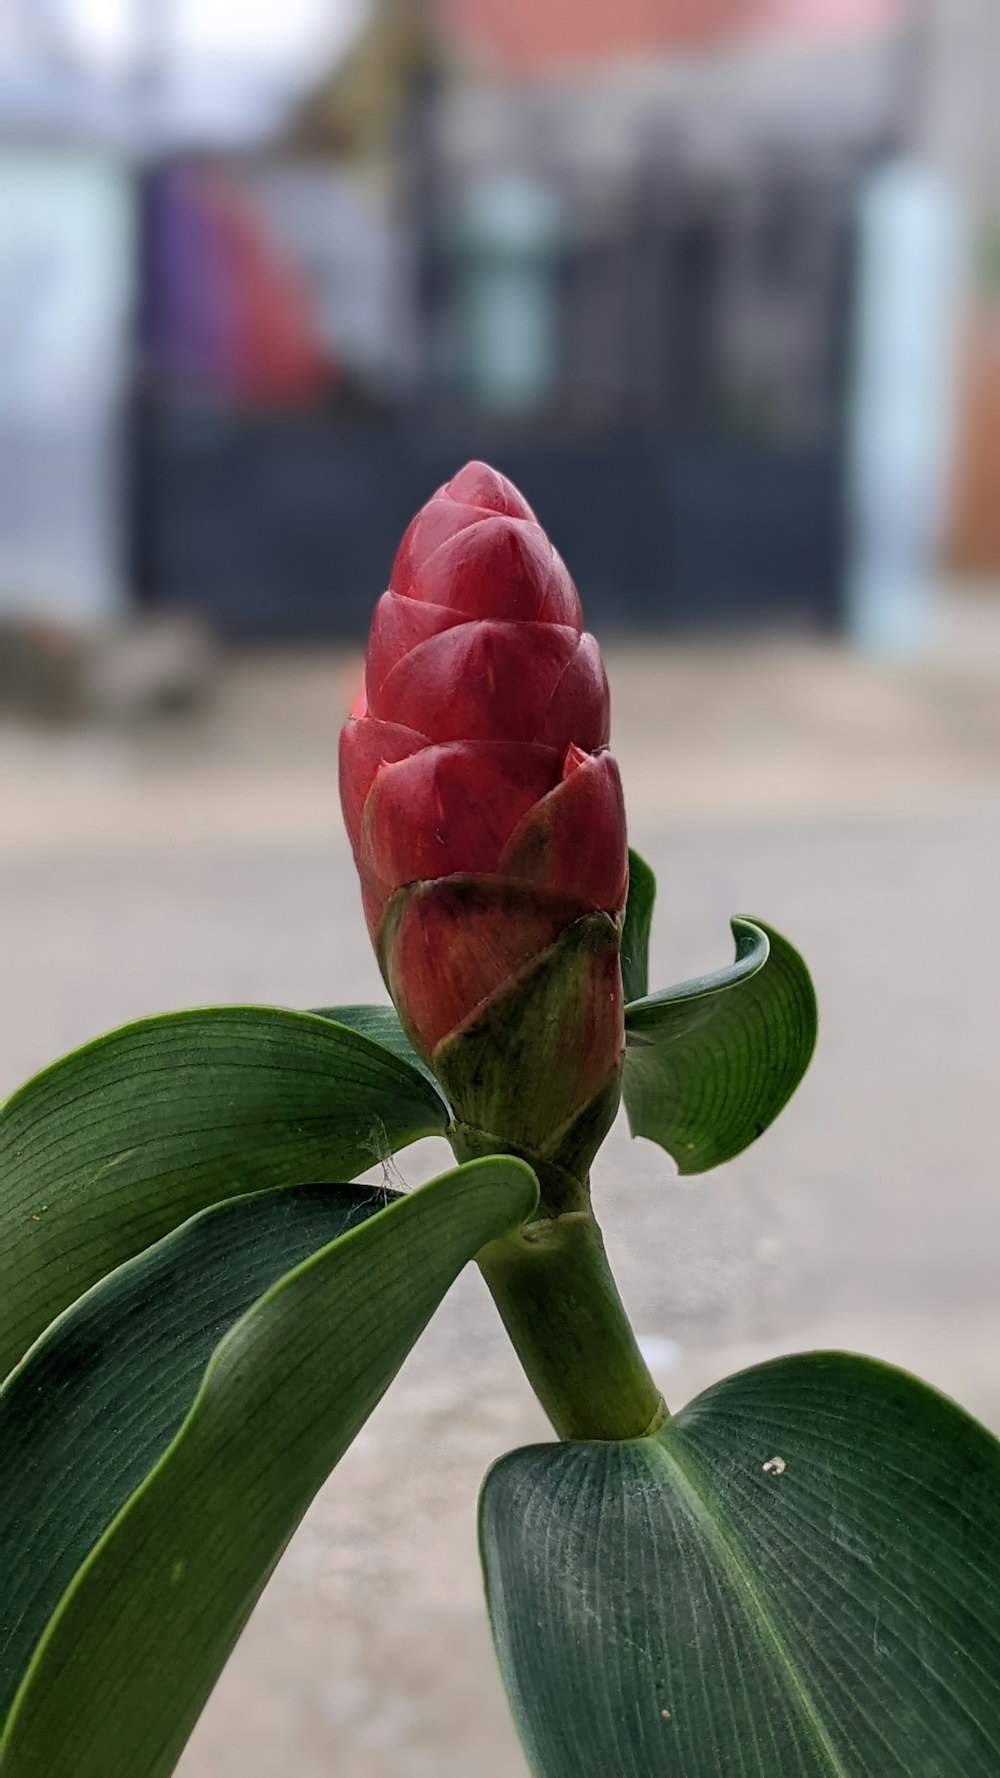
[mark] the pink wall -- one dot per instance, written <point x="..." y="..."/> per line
<point x="525" y="33"/>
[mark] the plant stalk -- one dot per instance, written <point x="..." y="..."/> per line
<point x="558" y="1300"/>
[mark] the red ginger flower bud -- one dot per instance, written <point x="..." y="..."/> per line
<point x="477" y="769"/>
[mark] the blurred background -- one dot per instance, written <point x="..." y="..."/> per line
<point x="718" y="283"/>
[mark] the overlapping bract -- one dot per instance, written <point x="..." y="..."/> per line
<point x="479" y="751"/>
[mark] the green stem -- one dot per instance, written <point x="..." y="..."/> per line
<point x="560" y="1305"/>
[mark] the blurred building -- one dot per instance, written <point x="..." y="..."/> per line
<point x="611" y="248"/>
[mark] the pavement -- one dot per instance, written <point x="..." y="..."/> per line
<point x="855" y="806"/>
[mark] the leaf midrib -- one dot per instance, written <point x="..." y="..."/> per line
<point x="704" y="1509"/>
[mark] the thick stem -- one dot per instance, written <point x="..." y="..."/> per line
<point x="560" y="1305"/>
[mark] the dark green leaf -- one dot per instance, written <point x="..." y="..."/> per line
<point x="798" y="1578"/>
<point x="122" y="1141"/>
<point x="635" y="931"/>
<point x="138" y="1641"/>
<point x="710" y="1064"/>
<point x="86" y="1415"/>
<point x="381" y="1024"/>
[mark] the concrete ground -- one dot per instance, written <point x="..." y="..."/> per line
<point x="855" y="807"/>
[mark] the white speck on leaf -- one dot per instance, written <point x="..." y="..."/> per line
<point x="774" y="1466"/>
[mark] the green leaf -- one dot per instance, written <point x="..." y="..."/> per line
<point x="636" y="927"/>
<point x="381" y="1024"/>
<point x="709" y="1064"/>
<point x="136" y="1644"/>
<point x="102" y="1393"/>
<point x="125" y="1139"/>
<point x="798" y="1578"/>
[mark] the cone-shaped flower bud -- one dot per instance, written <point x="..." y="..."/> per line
<point x="487" y="823"/>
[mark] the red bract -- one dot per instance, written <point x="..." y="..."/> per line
<point x="481" y="754"/>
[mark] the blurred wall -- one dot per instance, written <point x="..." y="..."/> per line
<point x="66" y="292"/>
<point x="975" y="538"/>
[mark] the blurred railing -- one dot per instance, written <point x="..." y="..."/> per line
<point x="665" y="375"/>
